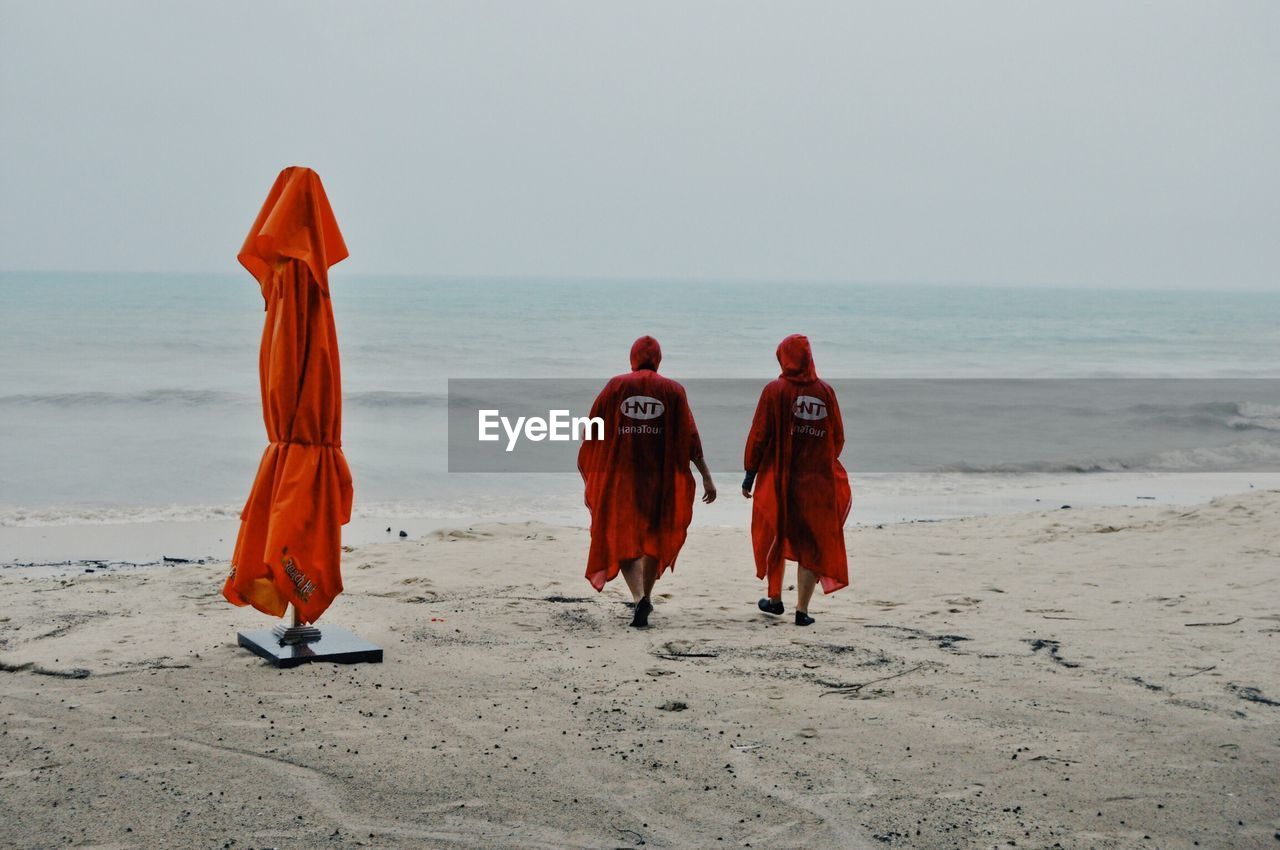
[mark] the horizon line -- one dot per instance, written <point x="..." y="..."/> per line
<point x="633" y="279"/>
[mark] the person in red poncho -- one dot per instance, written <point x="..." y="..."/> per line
<point x="638" y="485"/>
<point x="801" y="491"/>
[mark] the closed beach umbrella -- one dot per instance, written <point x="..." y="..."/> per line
<point x="290" y="532"/>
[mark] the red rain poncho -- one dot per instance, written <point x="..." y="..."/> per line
<point x="801" y="497"/>
<point x="290" y="531"/>
<point x="638" y="485"/>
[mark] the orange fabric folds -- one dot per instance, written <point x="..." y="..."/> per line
<point x="289" y="545"/>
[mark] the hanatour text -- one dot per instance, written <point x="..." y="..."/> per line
<point x="558" y="427"/>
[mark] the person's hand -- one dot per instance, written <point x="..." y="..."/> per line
<point x="746" y="494"/>
<point x="709" y="490"/>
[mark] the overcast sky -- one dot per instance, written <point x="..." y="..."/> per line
<point x="1071" y="143"/>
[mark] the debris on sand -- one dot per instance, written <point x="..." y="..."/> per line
<point x="674" y="649"/>
<point x="855" y="689"/>
<point x="908" y="633"/>
<point x="1251" y="694"/>
<point x="1053" y="648"/>
<point x="1148" y="685"/>
<point x="39" y="670"/>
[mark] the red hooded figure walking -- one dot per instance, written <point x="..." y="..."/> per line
<point x="801" y="491"/>
<point x="638" y="485"/>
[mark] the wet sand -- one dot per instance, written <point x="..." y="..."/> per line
<point x="1101" y="678"/>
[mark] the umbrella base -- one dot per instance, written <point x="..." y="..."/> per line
<point x="332" y="643"/>
<point x="295" y="634"/>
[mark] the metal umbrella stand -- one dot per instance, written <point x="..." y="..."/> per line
<point x="296" y="644"/>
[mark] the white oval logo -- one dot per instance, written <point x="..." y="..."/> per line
<point x="808" y="407"/>
<point x="642" y="407"/>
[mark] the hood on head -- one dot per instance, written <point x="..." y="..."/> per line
<point x="645" y="354"/>
<point x="796" y="359"/>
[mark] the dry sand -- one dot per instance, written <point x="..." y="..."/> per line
<point x="1103" y="678"/>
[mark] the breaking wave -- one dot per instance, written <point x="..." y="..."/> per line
<point x="175" y="397"/>
<point x="469" y="508"/>
<point x="1238" y="457"/>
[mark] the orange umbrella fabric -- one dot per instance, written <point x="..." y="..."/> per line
<point x="290" y="541"/>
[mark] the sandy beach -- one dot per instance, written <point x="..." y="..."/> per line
<point x="1071" y="678"/>
<point x="366" y="314"/>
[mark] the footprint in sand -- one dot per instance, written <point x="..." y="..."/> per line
<point x="970" y="790"/>
<point x="461" y="534"/>
<point x="575" y="619"/>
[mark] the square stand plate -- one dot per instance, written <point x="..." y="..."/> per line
<point x="334" y="644"/>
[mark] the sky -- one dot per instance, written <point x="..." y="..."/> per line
<point x="1094" y="144"/>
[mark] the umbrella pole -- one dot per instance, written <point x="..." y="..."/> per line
<point x="296" y="632"/>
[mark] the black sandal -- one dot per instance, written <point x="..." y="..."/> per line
<point x="768" y="606"/>
<point x="643" y="609"/>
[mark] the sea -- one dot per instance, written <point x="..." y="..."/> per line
<point x="132" y="399"/>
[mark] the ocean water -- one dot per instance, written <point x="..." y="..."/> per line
<point x="135" y="397"/>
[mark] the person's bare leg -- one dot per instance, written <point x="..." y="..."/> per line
<point x="649" y="571"/>
<point x="634" y="575"/>
<point x="805" y="581"/>
<point x="641" y="575"/>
